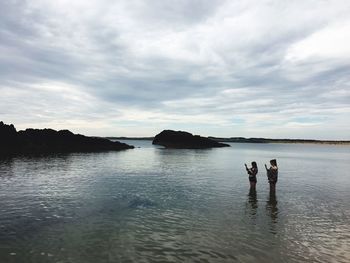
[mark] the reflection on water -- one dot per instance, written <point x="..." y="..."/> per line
<point x="272" y="211"/>
<point x="253" y="202"/>
<point x="157" y="205"/>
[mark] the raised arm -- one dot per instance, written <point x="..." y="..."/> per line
<point x="246" y="167"/>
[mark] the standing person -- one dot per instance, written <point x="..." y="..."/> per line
<point x="272" y="174"/>
<point x="252" y="172"/>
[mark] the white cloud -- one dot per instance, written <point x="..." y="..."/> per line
<point x="331" y="42"/>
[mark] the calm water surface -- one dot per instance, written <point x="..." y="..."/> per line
<point x="156" y="205"/>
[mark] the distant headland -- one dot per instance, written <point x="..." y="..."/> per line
<point x="265" y="140"/>
<point x="32" y="141"/>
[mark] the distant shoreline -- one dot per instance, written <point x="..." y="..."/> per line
<point x="131" y="138"/>
<point x="251" y="140"/>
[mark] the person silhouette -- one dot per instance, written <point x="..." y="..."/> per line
<point x="252" y="172"/>
<point x="272" y="174"/>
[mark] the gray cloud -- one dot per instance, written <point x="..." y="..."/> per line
<point x="224" y="68"/>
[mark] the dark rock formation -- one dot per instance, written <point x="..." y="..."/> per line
<point x="9" y="142"/>
<point x="185" y="140"/>
<point x="51" y="141"/>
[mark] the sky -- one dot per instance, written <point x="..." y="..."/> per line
<point x="225" y="68"/>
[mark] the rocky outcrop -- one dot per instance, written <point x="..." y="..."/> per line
<point x="9" y="142"/>
<point x="51" y="141"/>
<point x="185" y="140"/>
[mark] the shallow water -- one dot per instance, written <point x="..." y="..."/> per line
<point x="154" y="205"/>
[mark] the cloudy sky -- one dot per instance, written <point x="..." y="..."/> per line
<point x="277" y="69"/>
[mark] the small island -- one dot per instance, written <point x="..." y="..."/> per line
<point x="185" y="140"/>
<point x="32" y="141"/>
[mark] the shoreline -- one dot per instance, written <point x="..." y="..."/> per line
<point x="251" y="140"/>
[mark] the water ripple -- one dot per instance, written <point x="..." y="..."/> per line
<point x="156" y="205"/>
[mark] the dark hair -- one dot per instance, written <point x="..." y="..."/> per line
<point x="273" y="162"/>
<point x="254" y="164"/>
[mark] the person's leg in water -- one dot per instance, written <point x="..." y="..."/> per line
<point x="272" y="187"/>
<point x="252" y="183"/>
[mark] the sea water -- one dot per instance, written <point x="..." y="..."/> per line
<point x="151" y="204"/>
